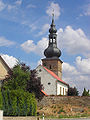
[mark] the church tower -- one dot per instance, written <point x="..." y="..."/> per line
<point x="52" y="53"/>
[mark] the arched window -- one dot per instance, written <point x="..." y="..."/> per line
<point x="50" y="67"/>
<point x="53" y="40"/>
<point x="50" y="40"/>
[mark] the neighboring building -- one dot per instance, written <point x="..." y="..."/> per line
<point x="50" y="72"/>
<point x="4" y="68"/>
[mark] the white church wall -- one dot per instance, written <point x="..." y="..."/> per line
<point x="48" y="81"/>
<point x="61" y="87"/>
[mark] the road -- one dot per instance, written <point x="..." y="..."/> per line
<point x="69" y="119"/>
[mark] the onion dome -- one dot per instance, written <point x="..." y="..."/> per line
<point x="52" y="51"/>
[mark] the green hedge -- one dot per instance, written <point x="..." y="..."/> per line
<point x="19" y="103"/>
<point x="1" y="101"/>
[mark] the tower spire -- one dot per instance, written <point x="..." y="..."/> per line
<point x="52" y="51"/>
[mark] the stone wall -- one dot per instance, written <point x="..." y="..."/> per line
<point x="72" y="100"/>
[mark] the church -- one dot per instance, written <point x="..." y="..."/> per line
<point x="50" y="72"/>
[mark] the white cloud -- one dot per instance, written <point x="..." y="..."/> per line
<point x="18" y="2"/>
<point x="38" y="48"/>
<point x="78" y="75"/>
<point x="44" y="29"/>
<point x="87" y="10"/>
<point x="5" y="42"/>
<point x="73" y="41"/>
<point x="10" y="7"/>
<point x="10" y="60"/>
<point x="55" y="7"/>
<point x="28" y="46"/>
<point x="31" y="6"/>
<point x="83" y="65"/>
<point x="2" y="5"/>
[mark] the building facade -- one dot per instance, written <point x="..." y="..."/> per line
<point x="4" y="68"/>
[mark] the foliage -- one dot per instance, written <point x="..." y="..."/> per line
<point x="17" y="78"/>
<point x="18" y="103"/>
<point x="21" y="77"/>
<point x="1" y="101"/>
<point x="34" y="85"/>
<point x="72" y="91"/>
<point x="85" y="93"/>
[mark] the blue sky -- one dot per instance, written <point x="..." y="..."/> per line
<point x="24" y="26"/>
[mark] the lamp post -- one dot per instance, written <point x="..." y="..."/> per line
<point x="43" y="116"/>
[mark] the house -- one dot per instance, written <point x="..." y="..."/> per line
<point x="4" y="68"/>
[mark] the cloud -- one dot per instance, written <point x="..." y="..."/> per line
<point x="31" y="6"/>
<point x="38" y="48"/>
<point x="55" y="7"/>
<point x="44" y="29"/>
<point x="5" y="42"/>
<point x="87" y="10"/>
<point x="18" y="2"/>
<point x="10" y="60"/>
<point x="83" y="65"/>
<point x="10" y="7"/>
<point x="73" y="41"/>
<point x="2" y="5"/>
<point x="78" y="75"/>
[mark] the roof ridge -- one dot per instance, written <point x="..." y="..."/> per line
<point x="54" y="75"/>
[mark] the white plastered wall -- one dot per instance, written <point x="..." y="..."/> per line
<point x="63" y="87"/>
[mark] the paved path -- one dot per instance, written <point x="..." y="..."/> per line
<point x="69" y="119"/>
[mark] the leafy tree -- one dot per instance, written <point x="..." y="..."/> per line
<point x="21" y="77"/>
<point x="72" y="91"/>
<point x="17" y="78"/>
<point x="34" y="85"/>
<point x="85" y="93"/>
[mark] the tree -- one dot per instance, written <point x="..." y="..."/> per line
<point x="34" y="85"/>
<point x="17" y="78"/>
<point x="85" y="93"/>
<point x="21" y="77"/>
<point x="72" y="91"/>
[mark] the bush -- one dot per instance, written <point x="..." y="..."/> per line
<point x="73" y="91"/>
<point x="85" y="93"/>
<point x="18" y="103"/>
<point x="1" y="101"/>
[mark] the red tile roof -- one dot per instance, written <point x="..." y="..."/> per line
<point x="44" y="92"/>
<point x="54" y="75"/>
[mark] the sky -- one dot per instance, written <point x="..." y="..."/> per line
<point x="24" y="29"/>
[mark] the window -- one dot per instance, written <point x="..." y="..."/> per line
<point x="50" y="40"/>
<point x="50" y="67"/>
<point x="63" y="91"/>
<point x="53" y="40"/>
<point x="49" y="83"/>
<point x="60" y="90"/>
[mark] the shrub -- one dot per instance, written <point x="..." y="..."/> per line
<point x="18" y="103"/>
<point x="1" y="101"/>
